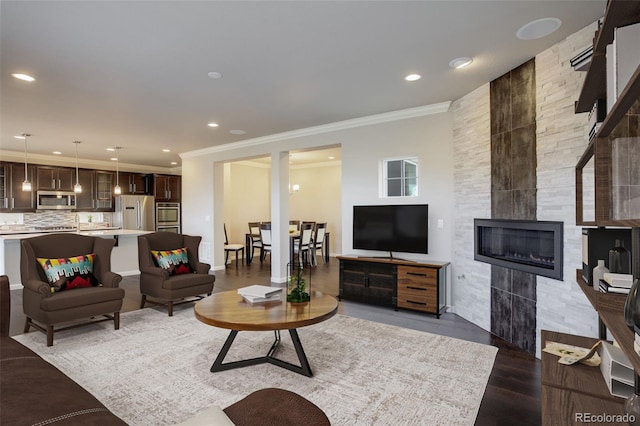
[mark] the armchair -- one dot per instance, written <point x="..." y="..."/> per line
<point x="45" y="308"/>
<point x="157" y="283"/>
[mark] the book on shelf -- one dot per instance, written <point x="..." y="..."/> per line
<point x="257" y="290"/>
<point x="582" y="60"/>
<point x="605" y="287"/>
<point x="618" y="280"/>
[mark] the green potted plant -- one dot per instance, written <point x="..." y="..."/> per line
<point x="297" y="288"/>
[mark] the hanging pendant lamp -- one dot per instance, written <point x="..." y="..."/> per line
<point x="77" y="187"/>
<point x="26" y="185"/>
<point x="117" y="190"/>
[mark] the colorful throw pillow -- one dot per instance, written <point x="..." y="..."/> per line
<point x="67" y="274"/>
<point x="175" y="262"/>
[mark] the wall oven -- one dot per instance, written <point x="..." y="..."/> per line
<point x="168" y="217"/>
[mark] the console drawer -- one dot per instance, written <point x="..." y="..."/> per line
<point x="411" y="276"/>
<point x="423" y="300"/>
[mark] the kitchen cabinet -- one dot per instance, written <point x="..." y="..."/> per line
<point x="167" y="188"/>
<point x="607" y="182"/>
<point x="55" y="178"/>
<point x="97" y="191"/>
<point x="134" y="183"/>
<point x="12" y="197"/>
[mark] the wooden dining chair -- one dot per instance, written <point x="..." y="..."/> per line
<point x="318" y="242"/>
<point x="294" y="226"/>
<point x="302" y="246"/>
<point x="265" y="236"/>
<point x="228" y="248"/>
<point x="254" y="236"/>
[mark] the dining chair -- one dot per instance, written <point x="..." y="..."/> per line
<point x="265" y="236"/>
<point x="318" y="242"/>
<point x="254" y="236"/>
<point x="302" y="246"/>
<point x="228" y="248"/>
<point x="294" y="226"/>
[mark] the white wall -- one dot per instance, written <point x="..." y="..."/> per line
<point x="423" y="132"/>
<point x="319" y="198"/>
<point x="429" y="138"/>
<point x="247" y="198"/>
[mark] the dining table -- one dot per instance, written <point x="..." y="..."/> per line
<point x="293" y="236"/>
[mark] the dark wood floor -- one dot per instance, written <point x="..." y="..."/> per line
<point x="513" y="391"/>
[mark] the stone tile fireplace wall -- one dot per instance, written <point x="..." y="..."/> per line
<point x="513" y="196"/>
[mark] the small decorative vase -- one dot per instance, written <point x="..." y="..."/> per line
<point x="619" y="259"/>
<point x="632" y="305"/>
<point x="598" y="274"/>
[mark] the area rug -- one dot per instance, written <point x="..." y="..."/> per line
<point x="155" y="369"/>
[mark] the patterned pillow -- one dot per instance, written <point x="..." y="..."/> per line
<point x="175" y="262"/>
<point x="67" y="274"/>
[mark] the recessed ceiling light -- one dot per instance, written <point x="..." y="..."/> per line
<point x="413" y="77"/>
<point x="538" y="28"/>
<point x="173" y="163"/>
<point x="332" y="158"/>
<point x="114" y="158"/>
<point x="24" y="77"/>
<point x="57" y="153"/>
<point x="166" y="150"/>
<point x="237" y="132"/>
<point x="460" y="62"/>
<point x="19" y="137"/>
<point x="214" y="74"/>
<point x="213" y="124"/>
<point x="111" y="149"/>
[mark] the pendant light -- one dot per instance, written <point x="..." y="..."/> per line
<point x="26" y="185"/>
<point x="77" y="187"/>
<point x="117" y="190"/>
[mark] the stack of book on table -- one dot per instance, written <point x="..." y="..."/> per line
<point x="616" y="283"/>
<point x="260" y="293"/>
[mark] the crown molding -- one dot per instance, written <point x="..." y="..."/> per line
<point x="325" y="128"/>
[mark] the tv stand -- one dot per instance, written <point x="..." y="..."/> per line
<point x="394" y="282"/>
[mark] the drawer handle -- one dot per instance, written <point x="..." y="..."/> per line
<point x="418" y="274"/>
<point x="416" y="288"/>
<point x="417" y="303"/>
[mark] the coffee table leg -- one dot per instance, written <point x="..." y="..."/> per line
<point x="304" y="368"/>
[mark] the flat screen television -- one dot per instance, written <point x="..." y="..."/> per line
<point x="399" y="228"/>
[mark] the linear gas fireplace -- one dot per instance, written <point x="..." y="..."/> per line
<point x="524" y="245"/>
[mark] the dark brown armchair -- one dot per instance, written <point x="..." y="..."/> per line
<point x="157" y="283"/>
<point x="44" y="308"/>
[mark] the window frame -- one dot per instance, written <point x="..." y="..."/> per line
<point x="385" y="179"/>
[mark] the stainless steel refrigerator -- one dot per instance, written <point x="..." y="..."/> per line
<point x="135" y="212"/>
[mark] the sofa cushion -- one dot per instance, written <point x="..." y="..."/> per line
<point x="35" y="392"/>
<point x="176" y="262"/>
<point x="80" y="298"/>
<point x="187" y="281"/>
<point x="69" y="273"/>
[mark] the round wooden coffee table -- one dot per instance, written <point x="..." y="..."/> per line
<point x="228" y="310"/>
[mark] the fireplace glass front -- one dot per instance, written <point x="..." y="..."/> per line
<point x="529" y="246"/>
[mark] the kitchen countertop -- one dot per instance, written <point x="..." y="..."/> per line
<point x="90" y="232"/>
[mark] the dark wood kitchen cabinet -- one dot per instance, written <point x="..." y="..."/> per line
<point x="12" y="197"/>
<point x="55" y="178"/>
<point x="167" y="188"/>
<point x="134" y="183"/>
<point x="97" y="191"/>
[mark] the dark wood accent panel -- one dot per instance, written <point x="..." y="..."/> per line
<point x="593" y="87"/>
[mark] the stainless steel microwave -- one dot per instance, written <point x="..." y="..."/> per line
<point x="56" y="200"/>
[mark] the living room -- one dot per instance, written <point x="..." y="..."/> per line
<point x="452" y="142"/>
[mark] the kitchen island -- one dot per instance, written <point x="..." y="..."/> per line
<point x="124" y="257"/>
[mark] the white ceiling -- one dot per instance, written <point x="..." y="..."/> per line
<point x="134" y="73"/>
